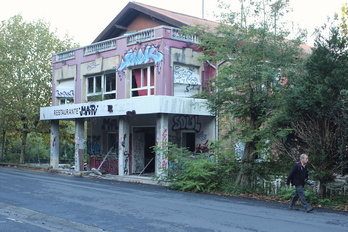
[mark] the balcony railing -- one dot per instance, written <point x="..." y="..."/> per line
<point x="100" y="47"/>
<point x="141" y="36"/>
<point x="132" y="38"/>
<point x="187" y="38"/>
<point x="68" y="55"/>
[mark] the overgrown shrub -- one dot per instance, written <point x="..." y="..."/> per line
<point x="187" y="171"/>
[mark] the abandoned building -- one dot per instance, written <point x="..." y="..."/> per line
<point x="131" y="90"/>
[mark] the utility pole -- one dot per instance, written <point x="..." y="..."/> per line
<point x="203" y="9"/>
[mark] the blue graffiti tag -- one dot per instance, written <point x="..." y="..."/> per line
<point x="142" y="56"/>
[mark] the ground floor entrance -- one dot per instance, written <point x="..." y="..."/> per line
<point x="119" y="136"/>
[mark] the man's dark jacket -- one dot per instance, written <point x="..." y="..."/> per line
<point x="298" y="175"/>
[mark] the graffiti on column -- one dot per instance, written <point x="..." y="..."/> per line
<point x="126" y="163"/>
<point x="164" y="163"/>
<point x="150" y="53"/>
<point x="186" y="122"/>
<point x="122" y="141"/>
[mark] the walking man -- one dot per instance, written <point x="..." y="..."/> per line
<point x="298" y="177"/>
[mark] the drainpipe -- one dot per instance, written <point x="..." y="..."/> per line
<point x="216" y="67"/>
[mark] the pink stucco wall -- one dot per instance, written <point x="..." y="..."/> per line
<point x="159" y="54"/>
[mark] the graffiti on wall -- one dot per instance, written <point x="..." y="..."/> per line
<point x="64" y="93"/>
<point x="93" y="146"/>
<point x="201" y="136"/>
<point x="138" y="147"/>
<point x="186" y="122"/>
<point x="92" y="65"/>
<point x="202" y="147"/>
<point x="134" y="56"/>
<point x="186" y="75"/>
<point x="109" y="124"/>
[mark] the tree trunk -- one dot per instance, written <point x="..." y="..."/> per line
<point x="322" y="190"/>
<point x="3" y="144"/>
<point x="24" y="144"/>
<point x="244" y="175"/>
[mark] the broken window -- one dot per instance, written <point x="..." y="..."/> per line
<point x="189" y="140"/>
<point x="101" y="87"/>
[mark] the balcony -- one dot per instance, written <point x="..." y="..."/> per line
<point x="131" y="39"/>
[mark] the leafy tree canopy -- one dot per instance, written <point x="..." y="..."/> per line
<point x="25" y="72"/>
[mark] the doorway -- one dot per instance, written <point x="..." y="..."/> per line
<point x="143" y="155"/>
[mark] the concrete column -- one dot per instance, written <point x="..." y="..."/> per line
<point x="123" y="152"/>
<point x="79" y="144"/>
<point x="162" y="138"/>
<point x="54" y="145"/>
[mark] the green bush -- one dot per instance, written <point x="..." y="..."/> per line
<point x="187" y="171"/>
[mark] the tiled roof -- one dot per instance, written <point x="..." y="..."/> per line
<point x="185" y="19"/>
<point x="133" y="9"/>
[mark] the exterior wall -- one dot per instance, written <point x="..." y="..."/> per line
<point x="203" y="127"/>
<point x="143" y="22"/>
<point x="163" y="53"/>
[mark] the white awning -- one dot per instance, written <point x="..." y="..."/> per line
<point x="66" y="89"/>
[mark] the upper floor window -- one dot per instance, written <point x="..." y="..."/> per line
<point x="186" y="80"/>
<point x="101" y="87"/>
<point x="143" y="81"/>
<point x="64" y="101"/>
<point x="65" y="91"/>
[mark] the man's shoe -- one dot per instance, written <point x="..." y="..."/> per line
<point x="309" y="209"/>
<point x="292" y="207"/>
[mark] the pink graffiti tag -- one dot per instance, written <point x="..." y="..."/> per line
<point x="164" y="137"/>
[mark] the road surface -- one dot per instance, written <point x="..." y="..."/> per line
<point x="35" y="201"/>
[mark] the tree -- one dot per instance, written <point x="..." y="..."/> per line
<point x="317" y="107"/>
<point x="344" y="19"/>
<point x="25" y="63"/>
<point x="253" y="55"/>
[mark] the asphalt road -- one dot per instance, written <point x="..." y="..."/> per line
<point x="32" y="201"/>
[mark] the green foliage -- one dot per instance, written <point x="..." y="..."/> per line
<point x="25" y="73"/>
<point x="251" y="54"/>
<point x="286" y="193"/>
<point x="316" y="109"/>
<point x="188" y="172"/>
<point x="37" y="150"/>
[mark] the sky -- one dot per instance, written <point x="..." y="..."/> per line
<point x="84" y="20"/>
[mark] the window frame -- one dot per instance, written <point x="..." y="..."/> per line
<point x="98" y="91"/>
<point x="147" y="83"/>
